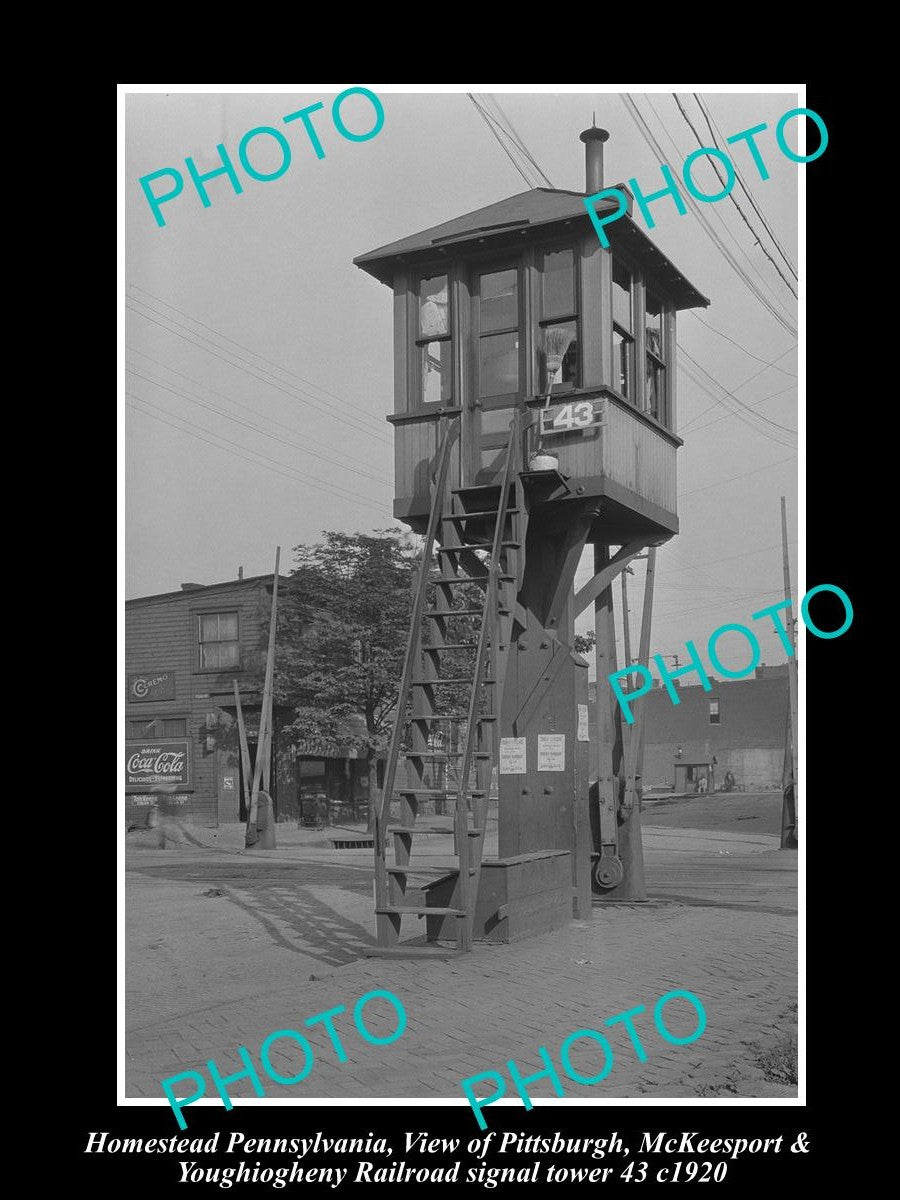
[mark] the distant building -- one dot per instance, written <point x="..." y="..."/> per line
<point x="183" y="652"/>
<point x="738" y="727"/>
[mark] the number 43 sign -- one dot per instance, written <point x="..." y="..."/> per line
<point x="568" y="418"/>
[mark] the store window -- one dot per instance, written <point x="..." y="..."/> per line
<point x="654" y="334"/>
<point x="557" y="341"/>
<point x="434" y="341"/>
<point x="219" y="644"/>
<point x="157" y="727"/>
<point x="623" y="331"/>
<point x="714" y="712"/>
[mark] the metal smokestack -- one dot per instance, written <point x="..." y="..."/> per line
<point x="593" y="139"/>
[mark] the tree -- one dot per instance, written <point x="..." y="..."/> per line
<point x="342" y="633"/>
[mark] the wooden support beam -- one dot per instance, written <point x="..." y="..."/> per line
<point x="604" y="576"/>
<point x="252" y="814"/>
<point x="245" y="749"/>
<point x="634" y="762"/>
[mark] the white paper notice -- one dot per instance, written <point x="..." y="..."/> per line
<point x="551" y="752"/>
<point x="512" y="756"/>
<point x="583" y="735"/>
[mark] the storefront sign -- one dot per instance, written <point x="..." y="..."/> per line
<point x="159" y="762"/>
<point x="151" y="685"/>
<point x="153" y="801"/>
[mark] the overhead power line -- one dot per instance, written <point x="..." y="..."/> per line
<point x="733" y="199"/>
<point x="505" y="142"/>
<point x="259" y="374"/>
<point x="710" y="122"/>
<point x="239" y="451"/>
<point x="741" y="346"/>
<point x="345" y="404"/>
<point x="279" y="438"/>
<point x="307" y="439"/>
<point x="654" y="145"/>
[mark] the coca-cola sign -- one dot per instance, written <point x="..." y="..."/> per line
<point x="151" y="685"/>
<point x="160" y="763"/>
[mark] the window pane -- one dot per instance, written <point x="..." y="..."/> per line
<point x="656" y="388"/>
<point x="623" y="352"/>
<point x="209" y="628"/>
<point x="434" y="311"/>
<point x="228" y="627"/>
<point x="209" y="656"/>
<point x="559" y="284"/>
<point x="559" y="353"/>
<point x="436" y="372"/>
<point x="622" y="296"/>
<point x="653" y="324"/>
<point x="229" y="655"/>
<point x="499" y="364"/>
<point x="499" y="301"/>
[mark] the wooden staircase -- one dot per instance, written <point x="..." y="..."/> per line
<point x="448" y="708"/>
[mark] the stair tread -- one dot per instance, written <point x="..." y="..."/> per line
<point x="421" y="910"/>
<point x="452" y="579"/>
<point x="476" y="513"/>
<point x="448" y="793"/>
<point x="460" y="646"/>
<point x="443" y="754"/>
<point x="450" y="717"/>
<point x="462" y="612"/>
<point x="444" y="681"/>
<point x="449" y="864"/>
<point x="478" y="546"/>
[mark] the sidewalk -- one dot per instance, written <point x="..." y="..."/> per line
<point x="282" y="938"/>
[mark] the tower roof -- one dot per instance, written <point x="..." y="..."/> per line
<point x="536" y="209"/>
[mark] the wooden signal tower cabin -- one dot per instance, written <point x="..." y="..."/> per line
<point x="535" y="412"/>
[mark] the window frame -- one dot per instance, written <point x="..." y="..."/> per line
<point x="543" y="322"/>
<point x="628" y="335"/>
<point x="714" y="700"/>
<point x="200" y="613"/>
<point x="493" y="266"/>
<point x="417" y="343"/>
<point x="657" y="360"/>
<point x="144" y="736"/>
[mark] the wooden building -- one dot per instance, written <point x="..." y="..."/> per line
<point x="183" y="652"/>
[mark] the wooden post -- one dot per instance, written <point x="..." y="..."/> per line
<point x="252" y="835"/>
<point x="626" y="626"/>
<point x="245" y="749"/>
<point x="608" y="872"/>
<point x="792" y="687"/>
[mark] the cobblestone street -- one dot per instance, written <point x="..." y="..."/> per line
<point x="223" y="948"/>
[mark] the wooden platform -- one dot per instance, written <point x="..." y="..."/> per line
<point x="517" y="897"/>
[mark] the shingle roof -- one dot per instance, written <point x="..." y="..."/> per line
<point x="525" y="211"/>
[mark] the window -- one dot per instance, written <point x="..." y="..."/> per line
<point x="623" y="332"/>
<point x="219" y="645"/>
<point x="558" y="338"/>
<point x="714" y="712"/>
<point x="654" y="333"/>
<point x="434" y="342"/>
<point x="157" y="727"/>
<point x="498" y="334"/>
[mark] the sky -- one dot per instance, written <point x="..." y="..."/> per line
<point x="258" y="361"/>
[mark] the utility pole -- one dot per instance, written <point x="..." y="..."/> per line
<point x="789" y="804"/>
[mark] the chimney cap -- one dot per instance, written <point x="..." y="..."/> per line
<point x="594" y="135"/>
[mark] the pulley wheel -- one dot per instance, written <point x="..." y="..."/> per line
<point x="609" y="872"/>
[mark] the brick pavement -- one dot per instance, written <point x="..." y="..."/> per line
<point x="731" y="941"/>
